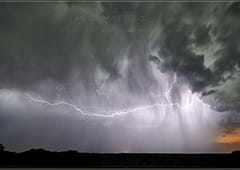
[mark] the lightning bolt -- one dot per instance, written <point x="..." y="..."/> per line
<point x="111" y="113"/>
<point x="166" y="94"/>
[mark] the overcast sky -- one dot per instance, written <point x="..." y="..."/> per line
<point x="165" y="74"/>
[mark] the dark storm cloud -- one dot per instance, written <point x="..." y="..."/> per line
<point x="227" y="34"/>
<point x="175" y="38"/>
<point x="226" y="66"/>
<point x="185" y="27"/>
<point x="197" y="25"/>
<point x="180" y="35"/>
<point x="177" y="57"/>
<point x="181" y="25"/>
<point x="44" y="41"/>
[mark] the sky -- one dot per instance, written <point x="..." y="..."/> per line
<point x="120" y="76"/>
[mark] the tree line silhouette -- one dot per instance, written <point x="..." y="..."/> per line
<point x="44" y="158"/>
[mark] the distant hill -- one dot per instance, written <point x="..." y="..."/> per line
<point x="236" y="152"/>
<point x="44" y="158"/>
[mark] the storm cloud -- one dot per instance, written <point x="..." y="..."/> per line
<point x="61" y="50"/>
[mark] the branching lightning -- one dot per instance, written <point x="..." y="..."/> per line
<point x="111" y="113"/>
<point x="108" y="115"/>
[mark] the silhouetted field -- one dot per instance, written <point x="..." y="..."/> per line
<point x="43" y="158"/>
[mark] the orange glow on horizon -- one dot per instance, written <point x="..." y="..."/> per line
<point x="232" y="137"/>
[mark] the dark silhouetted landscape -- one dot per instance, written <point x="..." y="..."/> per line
<point x="44" y="158"/>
